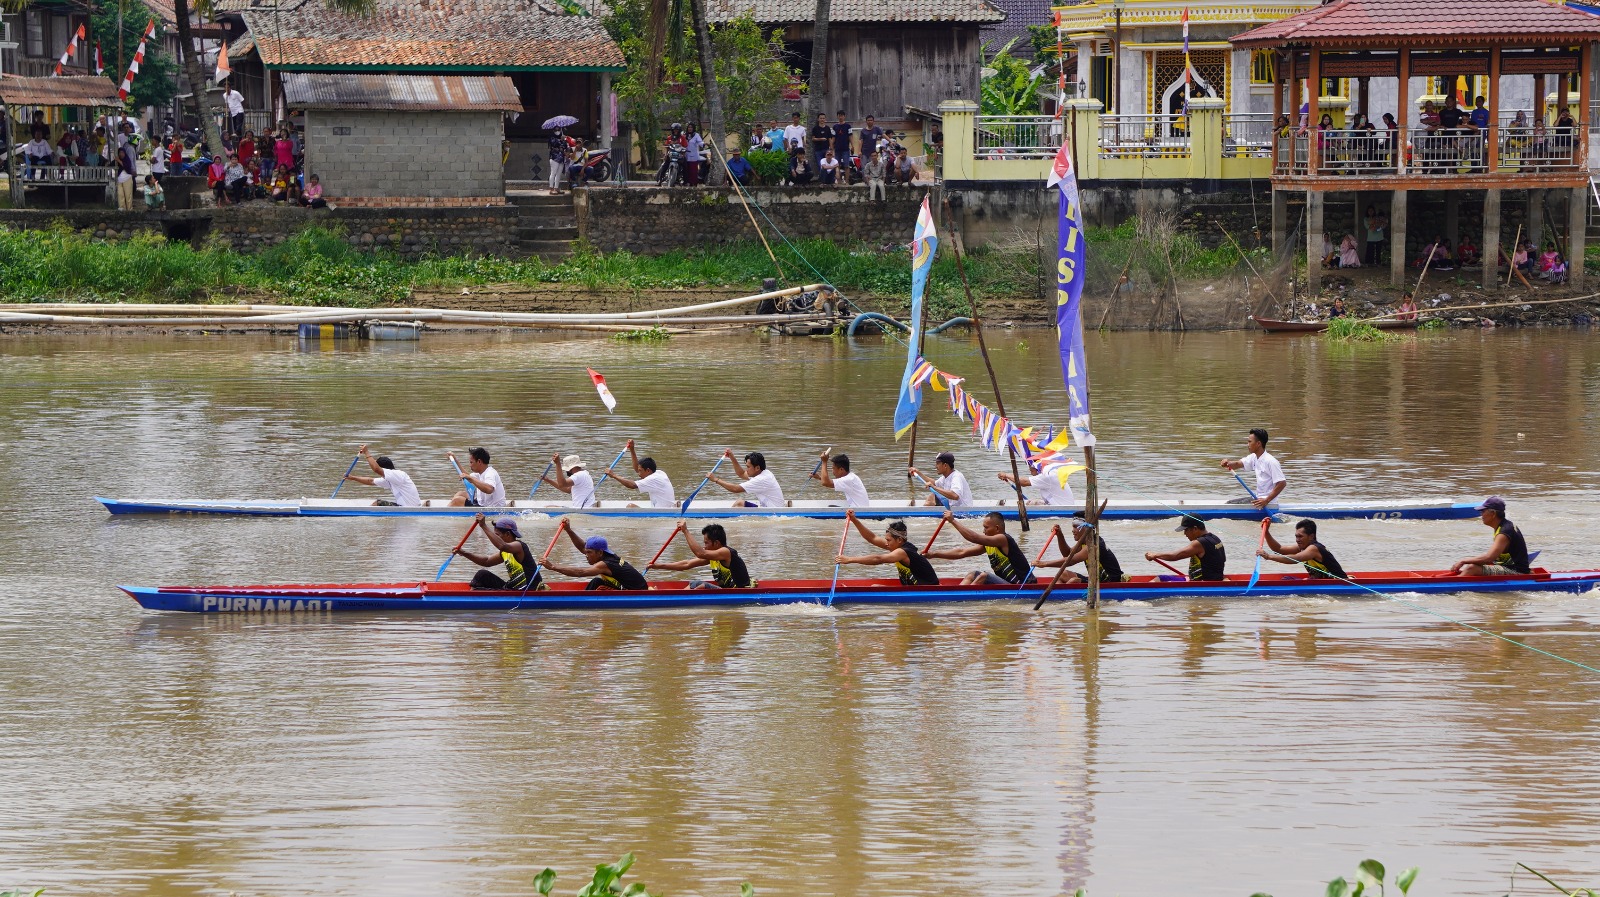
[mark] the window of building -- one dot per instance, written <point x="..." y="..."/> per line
<point x="1263" y="67"/>
<point x="34" y="32"/>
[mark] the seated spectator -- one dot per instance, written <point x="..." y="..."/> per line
<point x="1467" y="253"/>
<point x="1407" y="310"/>
<point x="1523" y="258"/>
<point x="1284" y="127"/>
<point x="800" y="173"/>
<point x="38" y="155"/>
<point x="280" y="187"/>
<point x="154" y="197"/>
<point x="312" y="198"/>
<point x="740" y="168"/>
<point x="217" y="179"/>
<point x="1349" y="252"/>
<point x="1330" y="255"/>
<point x="1548" y="260"/>
<point x="236" y="179"/>
<point x="1444" y="259"/>
<point x="1558" y="270"/>
<point x="904" y="171"/>
<point x="1337" y="310"/>
<point x="829" y="167"/>
<point x="874" y="172"/>
<point x="1432" y="254"/>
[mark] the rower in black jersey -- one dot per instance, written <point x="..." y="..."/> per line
<point x="1205" y="553"/>
<point x="1110" y="568"/>
<point x="727" y="568"/>
<point x="509" y="549"/>
<point x="609" y="570"/>
<point x="1507" y="555"/>
<point x="1320" y="562"/>
<point x="913" y="568"/>
<point x="1007" y="564"/>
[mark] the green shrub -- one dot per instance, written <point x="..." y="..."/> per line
<point x="771" y="166"/>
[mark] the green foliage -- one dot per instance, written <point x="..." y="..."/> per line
<point x="771" y="166"/>
<point x="1432" y="324"/>
<point x="1347" y="330"/>
<point x="22" y="892"/>
<point x="544" y="881"/>
<point x="1369" y="876"/>
<point x="157" y="81"/>
<point x="1010" y="85"/>
<point x="1577" y="892"/>
<point x="648" y="335"/>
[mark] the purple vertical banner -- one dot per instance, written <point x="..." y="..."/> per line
<point x="1069" y="295"/>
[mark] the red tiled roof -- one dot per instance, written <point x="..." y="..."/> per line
<point x="66" y="90"/>
<point x="910" y="12"/>
<point x="1425" y="22"/>
<point x="431" y="35"/>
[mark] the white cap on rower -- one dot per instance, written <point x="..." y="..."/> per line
<point x="571" y="463"/>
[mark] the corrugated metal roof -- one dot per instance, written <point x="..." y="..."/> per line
<point x="1427" y="22"/>
<point x="431" y="34"/>
<point x="783" y="12"/>
<point x="304" y="90"/>
<point x="67" y="90"/>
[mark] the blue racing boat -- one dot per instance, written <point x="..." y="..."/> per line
<point x="457" y="596"/>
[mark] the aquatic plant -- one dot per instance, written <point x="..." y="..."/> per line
<point x="1347" y="330"/>
<point x="22" y="892"/>
<point x="607" y="882"/>
<point x="647" y="335"/>
<point x="1577" y="892"/>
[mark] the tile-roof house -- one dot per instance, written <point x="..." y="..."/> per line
<point x="885" y="54"/>
<point x="1424" y="23"/>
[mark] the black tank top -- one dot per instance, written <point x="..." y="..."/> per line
<point x="1010" y="564"/>
<point x="732" y="576"/>
<point x="1208" y="566"/>
<point x="1329" y="567"/>
<point x="916" y="571"/>
<point x="1110" y="570"/>
<point x="621" y="575"/>
<point x="1516" y="554"/>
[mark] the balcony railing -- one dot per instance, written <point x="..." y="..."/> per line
<point x="1247" y="135"/>
<point x="1143" y="136"/>
<point x="1434" y="153"/>
<point x="1017" y="137"/>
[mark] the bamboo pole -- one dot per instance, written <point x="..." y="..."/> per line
<point x="458" y="318"/>
<point x="745" y="201"/>
<point x="983" y="349"/>
<point x="1242" y="254"/>
<point x="1091" y="514"/>
<point x="1448" y="308"/>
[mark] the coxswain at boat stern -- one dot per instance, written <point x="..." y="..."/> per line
<point x="607" y="569"/>
<point x="1507" y="554"/>
<point x="913" y="568"/>
<point x="1007" y="563"/>
<point x="951" y="483"/>
<point x="1319" y="561"/>
<point x="491" y="491"/>
<point x="387" y="476"/>
<point x="511" y="551"/>
<point x="1205" y="553"/>
<point x="1110" y="567"/>
<point x="727" y="568"/>
<point x="1257" y="460"/>
<point x="760" y="488"/>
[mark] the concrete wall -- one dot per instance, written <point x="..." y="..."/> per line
<point x="1011" y="212"/>
<point x="406" y="158"/>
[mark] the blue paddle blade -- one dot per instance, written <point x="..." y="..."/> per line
<point x="1255" y="575"/>
<point x="443" y="566"/>
<point x="540" y="481"/>
<point x="1247" y="489"/>
<point x="347" y="471"/>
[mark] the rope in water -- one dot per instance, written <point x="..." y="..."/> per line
<point x="1402" y="601"/>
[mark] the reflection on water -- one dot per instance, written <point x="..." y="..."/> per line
<point x="1180" y="747"/>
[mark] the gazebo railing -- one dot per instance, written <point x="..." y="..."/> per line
<point x="1353" y="152"/>
<point x="1435" y="153"/>
<point x="1017" y="136"/>
<point x="33" y="175"/>
<point x="1247" y="135"/>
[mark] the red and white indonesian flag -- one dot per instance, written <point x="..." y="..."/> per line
<point x="71" y="52"/>
<point x="138" y="59"/>
<point x="600" y="387"/>
<point x="99" y="61"/>
<point x="223" y="69"/>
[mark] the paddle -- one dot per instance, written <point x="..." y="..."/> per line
<point x="685" y="509"/>
<point x="670" y="537"/>
<point x="1027" y="579"/>
<point x="346" y="476"/>
<point x="1255" y="574"/>
<point x="1060" y="572"/>
<point x="940" y="496"/>
<point x="833" y="586"/>
<point x="818" y="469"/>
<point x="934" y="536"/>
<point x="471" y="489"/>
<point x="1173" y="569"/>
<point x="540" y="481"/>
<point x="608" y="470"/>
<point x="1253" y="496"/>
<point x="464" y="538"/>
<point x="552" y="546"/>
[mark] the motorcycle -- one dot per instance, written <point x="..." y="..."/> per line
<point x="671" y="174"/>
<point x="597" y="166"/>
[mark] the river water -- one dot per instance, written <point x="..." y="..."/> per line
<point x="1182" y="747"/>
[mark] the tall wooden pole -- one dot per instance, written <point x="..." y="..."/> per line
<point x="1091" y="513"/>
<point x="977" y="325"/>
<point x="911" y="457"/>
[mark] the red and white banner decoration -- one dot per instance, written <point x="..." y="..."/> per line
<point x="71" y="52"/>
<point x="138" y="57"/>
<point x="600" y="386"/>
<point x="223" y="69"/>
<point x="99" y="61"/>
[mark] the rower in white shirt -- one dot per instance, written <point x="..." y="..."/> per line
<point x="760" y="488"/>
<point x="835" y="474"/>
<point x="1052" y="492"/>
<point x="490" y="491"/>
<point x="1269" y="473"/>
<point x="951" y="483"/>
<point x="572" y="479"/>
<point x="386" y="476"/>
<point x="651" y="481"/>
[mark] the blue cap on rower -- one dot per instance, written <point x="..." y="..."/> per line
<point x="509" y="525"/>
<point x="597" y="543"/>
<point x="1190" y="521"/>
<point x="1492" y="503"/>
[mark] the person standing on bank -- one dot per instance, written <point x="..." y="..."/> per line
<point x="512" y="551"/>
<point x="1269" y="473"/>
<point x="1319" y="561"/>
<point x="1507" y="554"/>
<point x="491" y="491"/>
<point x="651" y="481"/>
<point x="760" y="488"/>
<point x="1007" y="564"/>
<point x="1205" y="553"/>
<point x="572" y="479"/>
<point x="1376" y="226"/>
<point x="952" y="483"/>
<point x="727" y="568"/>
<point x="385" y="475"/>
<point x="835" y="474"/>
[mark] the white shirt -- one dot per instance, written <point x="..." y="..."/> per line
<point x="235" y="102"/>
<point x="37" y="147"/>
<point x="763" y="489"/>
<point x="399" y="483"/>
<point x="793" y="136"/>
<point x="582" y="489"/>
<point x="855" y="492"/>
<point x="1052" y="490"/>
<point x="829" y="163"/>
<point x="1268" y="472"/>
<point x="693" y="146"/>
<point x="957" y="483"/>
<point x="659" y="488"/>
<point x="496" y="498"/>
<point x="158" y="160"/>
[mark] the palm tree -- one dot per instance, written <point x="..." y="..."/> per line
<point x="665" y="21"/>
<point x="818" y="88"/>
